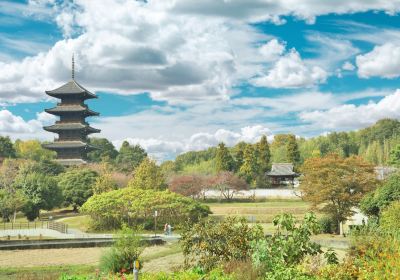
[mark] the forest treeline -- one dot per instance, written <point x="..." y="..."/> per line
<point x="376" y="144"/>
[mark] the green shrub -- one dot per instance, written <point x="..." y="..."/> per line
<point x="125" y="250"/>
<point x="328" y="225"/>
<point x="390" y="218"/>
<point x="111" y="209"/>
<point x="209" y="244"/>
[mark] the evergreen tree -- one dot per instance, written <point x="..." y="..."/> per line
<point x="292" y="150"/>
<point x="264" y="155"/>
<point x="148" y="176"/>
<point x="105" y="150"/>
<point x="239" y="153"/>
<point x="395" y="156"/>
<point x="6" y="148"/>
<point x="223" y="160"/>
<point x="249" y="168"/>
<point x="130" y="157"/>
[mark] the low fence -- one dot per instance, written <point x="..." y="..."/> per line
<point x="60" y="227"/>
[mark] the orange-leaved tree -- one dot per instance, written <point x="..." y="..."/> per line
<point x="335" y="185"/>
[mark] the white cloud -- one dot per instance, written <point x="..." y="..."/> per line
<point x="350" y="116"/>
<point x="265" y="10"/>
<point x="162" y="149"/>
<point x="382" y="61"/>
<point x="16" y="126"/>
<point x="348" y="66"/>
<point x="272" y="50"/>
<point x="290" y="71"/>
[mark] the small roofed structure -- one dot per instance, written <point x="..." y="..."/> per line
<point x="282" y="174"/>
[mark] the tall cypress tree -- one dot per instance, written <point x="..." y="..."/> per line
<point x="249" y="168"/>
<point x="223" y="159"/>
<point x="292" y="150"/>
<point x="264" y="155"/>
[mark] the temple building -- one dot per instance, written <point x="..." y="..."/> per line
<point x="282" y="174"/>
<point x="72" y="129"/>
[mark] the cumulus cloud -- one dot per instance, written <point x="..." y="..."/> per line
<point x="165" y="149"/>
<point x="272" y="50"/>
<point x="350" y="116"/>
<point x="382" y="61"/>
<point x="139" y="47"/>
<point x="17" y="126"/>
<point x="290" y="71"/>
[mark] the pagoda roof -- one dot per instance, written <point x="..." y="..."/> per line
<point x="71" y="126"/>
<point x="69" y="144"/>
<point x="71" y="161"/>
<point x="282" y="169"/>
<point x="70" y="88"/>
<point x="71" y="109"/>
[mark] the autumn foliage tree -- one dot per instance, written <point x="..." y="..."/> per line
<point x="335" y="185"/>
<point x="228" y="184"/>
<point x="189" y="185"/>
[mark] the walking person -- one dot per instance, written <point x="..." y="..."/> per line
<point x="166" y="229"/>
<point x="169" y="229"/>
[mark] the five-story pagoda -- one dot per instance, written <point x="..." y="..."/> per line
<point x="72" y="129"/>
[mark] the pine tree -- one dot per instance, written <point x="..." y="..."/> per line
<point x="263" y="155"/>
<point x="292" y="150"/>
<point x="239" y="153"/>
<point x="249" y="168"/>
<point x="223" y="160"/>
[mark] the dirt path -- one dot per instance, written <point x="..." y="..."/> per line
<point x="68" y="256"/>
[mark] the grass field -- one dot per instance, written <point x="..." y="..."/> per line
<point x="261" y="212"/>
<point x="51" y="263"/>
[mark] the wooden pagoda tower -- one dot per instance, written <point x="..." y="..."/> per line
<point x="72" y="129"/>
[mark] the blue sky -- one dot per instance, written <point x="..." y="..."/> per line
<point x="176" y="76"/>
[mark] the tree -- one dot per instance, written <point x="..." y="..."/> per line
<point x="11" y="203"/>
<point x="77" y="186"/>
<point x="32" y="149"/>
<point x="210" y="243"/>
<point x="41" y="191"/>
<point x="132" y="205"/>
<point x="228" y="184"/>
<point x="148" y="176"/>
<point x="238" y="151"/>
<point x="373" y="203"/>
<point x="335" y="185"/>
<point x="277" y="255"/>
<point x="249" y="169"/>
<point x="104" y="183"/>
<point x="130" y="157"/>
<point x="105" y="152"/>
<point x="189" y="185"/>
<point x="292" y="150"/>
<point x="264" y="155"/>
<point x="6" y="147"/>
<point x="395" y="156"/>
<point x="224" y="160"/>
<point x="48" y="167"/>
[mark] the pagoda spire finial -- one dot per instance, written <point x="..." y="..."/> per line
<point x="73" y="67"/>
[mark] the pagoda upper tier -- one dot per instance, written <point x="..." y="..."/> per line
<point x="71" y="89"/>
<point x="60" y="110"/>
